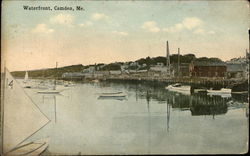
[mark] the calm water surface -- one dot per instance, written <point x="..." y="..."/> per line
<point x="151" y="120"/>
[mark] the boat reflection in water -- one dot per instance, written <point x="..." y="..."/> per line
<point x="113" y="95"/>
<point x="112" y="98"/>
<point x="197" y="103"/>
<point x="205" y="105"/>
<point x="50" y="98"/>
<point x="149" y="120"/>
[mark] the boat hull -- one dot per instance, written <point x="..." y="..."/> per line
<point x="182" y="89"/>
<point x="118" y="95"/>
<point x="222" y="91"/>
<point x="49" y="91"/>
<point x="30" y="149"/>
<point x="110" y="95"/>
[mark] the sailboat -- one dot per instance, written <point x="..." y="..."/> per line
<point x="51" y="91"/>
<point x="26" y="77"/>
<point x="26" y="80"/>
<point x="21" y="118"/>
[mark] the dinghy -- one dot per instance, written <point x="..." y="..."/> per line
<point x="49" y="91"/>
<point x="113" y="94"/>
<point x="222" y="91"/>
<point x="179" y="88"/>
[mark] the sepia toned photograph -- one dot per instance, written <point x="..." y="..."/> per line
<point x="124" y="77"/>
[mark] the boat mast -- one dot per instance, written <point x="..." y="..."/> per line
<point x="178" y="67"/>
<point x="55" y="78"/>
<point x="168" y="60"/>
<point x="2" y="105"/>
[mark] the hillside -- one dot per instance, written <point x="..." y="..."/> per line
<point x="52" y="72"/>
<point x="49" y="73"/>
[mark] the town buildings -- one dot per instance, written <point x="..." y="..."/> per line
<point x="237" y="68"/>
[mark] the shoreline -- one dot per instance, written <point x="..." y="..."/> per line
<point x="237" y="85"/>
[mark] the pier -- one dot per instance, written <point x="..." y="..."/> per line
<point x="237" y="85"/>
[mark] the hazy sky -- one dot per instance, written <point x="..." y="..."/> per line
<point x="109" y="31"/>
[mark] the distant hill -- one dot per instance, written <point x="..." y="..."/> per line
<point x="49" y="73"/>
<point x="52" y="72"/>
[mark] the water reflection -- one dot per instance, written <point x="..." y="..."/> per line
<point x="151" y="120"/>
<point x="50" y="98"/>
<point x="112" y="98"/>
<point x="206" y="105"/>
<point x="168" y="115"/>
<point x="197" y="104"/>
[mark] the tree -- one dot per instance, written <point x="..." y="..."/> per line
<point x="112" y="66"/>
<point x="214" y="59"/>
<point x="188" y="58"/>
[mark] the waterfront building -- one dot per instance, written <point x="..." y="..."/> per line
<point x="183" y="69"/>
<point x="158" y="68"/>
<point x="72" y="75"/>
<point x="207" y="69"/>
<point x="236" y="70"/>
<point x="90" y="69"/>
<point x="115" y="72"/>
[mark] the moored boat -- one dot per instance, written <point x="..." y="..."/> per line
<point x="113" y="94"/>
<point x="179" y="88"/>
<point x="221" y="91"/>
<point x="26" y="81"/>
<point x="49" y="91"/>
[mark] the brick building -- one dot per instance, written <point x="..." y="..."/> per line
<point x="205" y="69"/>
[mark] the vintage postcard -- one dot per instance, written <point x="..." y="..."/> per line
<point x="102" y="77"/>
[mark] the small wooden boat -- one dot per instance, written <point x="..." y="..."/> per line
<point x="31" y="149"/>
<point x="27" y="86"/>
<point x="240" y="92"/>
<point x="95" y="81"/>
<point x="114" y="98"/>
<point x="68" y="84"/>
<point x="200" y="90"/>
<point x="49" y="91"/>
<point x="179" y="88"/>
<point x="222" y="91"/>
<point x="114" y="94"/>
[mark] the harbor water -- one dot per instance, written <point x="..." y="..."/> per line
<point x="149" y="120"/>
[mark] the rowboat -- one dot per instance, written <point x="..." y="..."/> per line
<point x="49" y="91"/>
<point x="114" y="94"/>
<point x="179" y="88"/>
<point x="222" y="91"/>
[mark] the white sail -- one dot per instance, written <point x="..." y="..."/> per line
<point x="21" y="117"/>
<point x="26" y="77"/>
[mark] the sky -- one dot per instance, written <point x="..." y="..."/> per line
<point x="109" y="31"/>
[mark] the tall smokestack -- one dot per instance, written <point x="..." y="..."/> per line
<point x="168" y="60"/>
